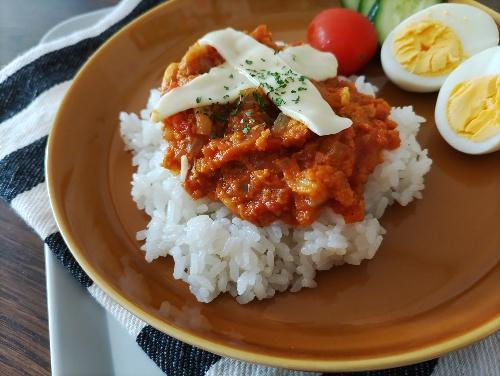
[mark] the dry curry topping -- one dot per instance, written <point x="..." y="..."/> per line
<point x="265" y="166"/>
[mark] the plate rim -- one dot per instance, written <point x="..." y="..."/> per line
<point x="322" y="365"/>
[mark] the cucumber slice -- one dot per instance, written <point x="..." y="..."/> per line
<point x="392" y="12"/>
<point x="351" y="4"/>
<point x="366" y="5"/>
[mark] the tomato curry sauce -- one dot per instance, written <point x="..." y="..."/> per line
<point x="265" y="166"/>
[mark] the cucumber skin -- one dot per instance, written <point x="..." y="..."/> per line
<point x="351" y="4"/>
<point x="373" y="11"/>
<point x="383" y="30"/>
<point x="365" y="6"/>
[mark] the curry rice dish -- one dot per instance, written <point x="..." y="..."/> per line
<point x="251" y="199"/>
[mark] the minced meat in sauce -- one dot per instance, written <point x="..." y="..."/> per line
<point x="265" y="166"/>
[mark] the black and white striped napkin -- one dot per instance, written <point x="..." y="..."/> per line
<point x="31" y="89"/>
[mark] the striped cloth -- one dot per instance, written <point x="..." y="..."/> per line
<point x="31" y="89"/>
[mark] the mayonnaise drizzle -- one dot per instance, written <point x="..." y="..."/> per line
<point x="283" y="76"/>
<point x="310" y="62"/>
<point x="221" y="85"/>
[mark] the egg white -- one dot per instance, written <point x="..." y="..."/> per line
<point x="476" y="30"/>
<point x="484" y="63"/>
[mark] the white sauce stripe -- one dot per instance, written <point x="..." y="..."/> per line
<point x="221" y="85"/>
<point x="283" y="76"/>
<point x="310" y="62"/>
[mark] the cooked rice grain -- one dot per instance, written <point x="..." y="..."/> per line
<point x="216" y="252"/>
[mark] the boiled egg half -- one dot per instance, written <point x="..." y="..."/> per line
<point x="420" y="53"/>
<point x="468" y="105"/>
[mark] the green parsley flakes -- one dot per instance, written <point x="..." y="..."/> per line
<point x="278" y="101"/>
<point x="260" y="101"/>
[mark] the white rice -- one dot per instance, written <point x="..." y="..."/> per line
<point x="216" y="252"/>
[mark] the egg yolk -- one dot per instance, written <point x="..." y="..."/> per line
<point x="428" y="48"/>
<point x="473" y="109"/>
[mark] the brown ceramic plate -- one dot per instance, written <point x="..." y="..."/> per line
<point x="433" y="287"/>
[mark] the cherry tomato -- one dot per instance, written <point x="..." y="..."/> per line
<point x="345" y="33"/>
